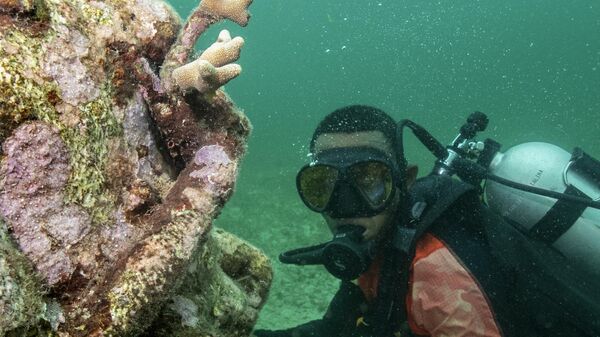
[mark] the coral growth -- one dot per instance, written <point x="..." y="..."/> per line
<point x="234" y="10"/>
<point x="213" y="68"/>
<point x="117" y="154"/>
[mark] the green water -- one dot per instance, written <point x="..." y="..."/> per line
<point x="533" y="66"/>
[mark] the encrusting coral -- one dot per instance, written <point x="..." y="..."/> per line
<point x="117" y="153"/>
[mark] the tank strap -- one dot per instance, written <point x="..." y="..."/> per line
<point x="585" y="163"/>
<point x="559" y="219"/>
<point x="563" y="214"/>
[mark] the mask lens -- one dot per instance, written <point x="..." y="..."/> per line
<point x="374" y="180"/>
<point x="316" y="184"/>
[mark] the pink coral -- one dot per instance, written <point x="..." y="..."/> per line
<point x="36" y="171"/>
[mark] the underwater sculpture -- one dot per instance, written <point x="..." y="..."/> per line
<point x="116" y="156"/>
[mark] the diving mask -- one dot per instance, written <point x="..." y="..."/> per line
<point x="348" y="182"/>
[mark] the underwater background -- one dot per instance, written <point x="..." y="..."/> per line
<point x="533" y="66"/>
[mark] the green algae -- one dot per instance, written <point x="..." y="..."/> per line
<point x="92" y="14"/>
<point x="135" y="289"/>
<point x="20" y="97"/>
<point x="88" y="147"/>
<point x="21" y="294"/>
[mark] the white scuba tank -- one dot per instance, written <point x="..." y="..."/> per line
<point x="549" y="167"/>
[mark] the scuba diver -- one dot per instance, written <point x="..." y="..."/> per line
<point x="434" y="256"/>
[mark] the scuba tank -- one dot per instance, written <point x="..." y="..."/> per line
<point x="547" y="193"/>
<point x="571" y="228"/>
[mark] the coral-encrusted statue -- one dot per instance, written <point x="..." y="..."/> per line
<point x="116" y="156"/>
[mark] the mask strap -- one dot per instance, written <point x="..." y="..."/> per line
<point x="399" y="149"/>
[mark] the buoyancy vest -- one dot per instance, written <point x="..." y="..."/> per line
<point x="451" y="211"/>
<point x="533" y="290"/>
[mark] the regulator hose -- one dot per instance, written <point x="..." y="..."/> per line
<point x="463" y="165"/>
<point x="468" y="168"/>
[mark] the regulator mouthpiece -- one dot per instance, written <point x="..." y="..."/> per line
<point x="345" y="257"/>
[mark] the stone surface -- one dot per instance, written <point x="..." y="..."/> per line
<point x="111" y="174"/>
<point x="239" y="276"/>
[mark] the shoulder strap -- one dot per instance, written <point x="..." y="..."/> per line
<point x="430" y="197"/>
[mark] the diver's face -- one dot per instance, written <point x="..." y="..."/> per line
<point x="373" y="225"/>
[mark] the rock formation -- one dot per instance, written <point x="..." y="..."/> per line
<point x="117" y="153"/>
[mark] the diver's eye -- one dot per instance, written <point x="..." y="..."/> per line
<point x="374" y="180"/>
<point x="316" y="184"/>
